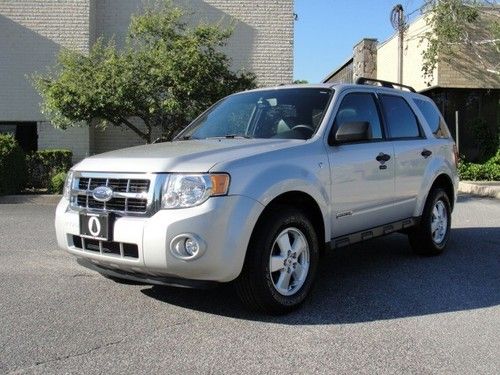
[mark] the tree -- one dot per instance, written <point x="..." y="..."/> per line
<point x="165" y="75"/>
<point x="471" y="25"/>
<point x="300" y="81"/>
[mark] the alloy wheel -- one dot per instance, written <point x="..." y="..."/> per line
<point x="289" y="261"/>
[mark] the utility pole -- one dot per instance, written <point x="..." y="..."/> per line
<point x="399" y="23"/>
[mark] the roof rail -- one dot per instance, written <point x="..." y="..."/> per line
<point x="364" y="81"/>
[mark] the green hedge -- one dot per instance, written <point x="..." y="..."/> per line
<point x="45" y="164"/>
<point x="13" y="174"/>
<point x="56" y="185"/>
<point x="489" y="171"/>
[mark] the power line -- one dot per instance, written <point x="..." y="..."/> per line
<point x="414" y="11"/>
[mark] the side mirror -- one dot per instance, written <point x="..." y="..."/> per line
<point x="352" y="132"/>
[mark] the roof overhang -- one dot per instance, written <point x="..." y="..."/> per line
<point x="347" y="62"/>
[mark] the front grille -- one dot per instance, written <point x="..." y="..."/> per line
<point x="138" y="186"/>
<point x="95" y="182"/>
<point x="136" y="205"/>
<point x="92" y="203"/>
<point x="118" y="204"/>
<point x="117" y="184"/>
<point x="123" y="250"/>
<point x="130" y="195"/>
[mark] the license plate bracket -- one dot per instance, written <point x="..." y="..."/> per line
<point x="98" y="226"/>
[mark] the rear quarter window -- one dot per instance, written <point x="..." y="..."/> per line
<point x="433" y="118"/>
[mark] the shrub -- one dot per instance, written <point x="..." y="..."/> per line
<point x="13" y="173"/>
<point x="489" y="171"/>
<point x="44" y="164"/>
<point x="486" y="139"/>
<point x="495" y="159"/>
<point x="56" y="185"/>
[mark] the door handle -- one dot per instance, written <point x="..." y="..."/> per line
<point x="383" y="157"/>
<point x="426" y="153"/>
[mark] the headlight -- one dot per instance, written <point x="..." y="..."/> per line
<point x="188" y="190"/>
<point x="67" y="185"/>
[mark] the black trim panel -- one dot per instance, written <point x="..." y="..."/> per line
<point x="147" y="279"/>
<point x="367" y="234"/>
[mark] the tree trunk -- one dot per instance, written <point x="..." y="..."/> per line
<point x="145" y="136"/>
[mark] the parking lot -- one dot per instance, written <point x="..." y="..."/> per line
<point x="376" y="308"/>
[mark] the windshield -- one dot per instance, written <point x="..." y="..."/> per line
<point x="280" y="113"/>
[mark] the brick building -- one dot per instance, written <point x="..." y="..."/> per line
<point x="33" y="31"/>
<point x="459" y="82"/>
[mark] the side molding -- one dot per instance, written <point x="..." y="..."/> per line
<point x="372" y="233"/>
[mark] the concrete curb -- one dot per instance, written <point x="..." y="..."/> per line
<point x="480" y="188"/>
<point x="30" y="199"/>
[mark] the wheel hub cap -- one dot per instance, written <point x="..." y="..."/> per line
<point x="439" y="222"/>
<point x="289" y="261"/>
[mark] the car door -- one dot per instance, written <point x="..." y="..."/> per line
<point x="411" y="155"/>
<point x="362" y="173"/>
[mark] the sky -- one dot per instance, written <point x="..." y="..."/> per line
<point x="327" y="30"/>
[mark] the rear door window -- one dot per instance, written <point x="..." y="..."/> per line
<point x="399" y="117"/>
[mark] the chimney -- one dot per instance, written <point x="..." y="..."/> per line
<point x="365" y="59"/>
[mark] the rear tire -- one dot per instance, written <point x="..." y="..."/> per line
<point x="281" y="262"/>
<point x="431" y="236"/>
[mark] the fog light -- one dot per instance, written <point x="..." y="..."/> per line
<point x="192" y="246"/>
<point x="187" y="246"/>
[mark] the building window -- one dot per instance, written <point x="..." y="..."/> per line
<point x="25" y="134"/>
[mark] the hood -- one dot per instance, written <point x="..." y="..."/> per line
<point x="180" y="156"/>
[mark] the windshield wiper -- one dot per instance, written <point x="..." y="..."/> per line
<point x="160" y="140"/>
<point x="232" y="136"/>
<point x="227" y="136"/>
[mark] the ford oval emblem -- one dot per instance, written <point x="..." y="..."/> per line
<point x="102" y="193"/>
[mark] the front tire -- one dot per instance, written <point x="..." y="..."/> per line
<point x="281" y="262"/>
<point x="431" y="236"/>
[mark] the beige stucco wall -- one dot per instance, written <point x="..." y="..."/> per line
<point x="113" y="137"/>
<point x="262" y="42"/>
<point x="75" y="139"/>
<point x="467" y="67"/>
<point x="33" y="31"/>
<point x="460" y="69"/>
<point x="387" y="57"/>
<point x="31" y="34"/>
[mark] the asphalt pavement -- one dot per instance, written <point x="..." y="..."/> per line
<point x="376" y="308"/>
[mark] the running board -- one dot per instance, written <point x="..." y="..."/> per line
<point x="364" y="235"/>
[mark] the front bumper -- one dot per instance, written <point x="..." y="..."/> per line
<point x="143" y="278"/>
<point x="224" y="224"/>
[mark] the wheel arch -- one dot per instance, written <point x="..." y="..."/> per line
<point x="301" y="201"/>
<point x="444" y="181"/>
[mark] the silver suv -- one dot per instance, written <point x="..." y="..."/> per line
<point x="260" y="184"/>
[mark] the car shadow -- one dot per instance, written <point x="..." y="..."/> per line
<point x="463" y="198"/>
<point x="377" y="280"/>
